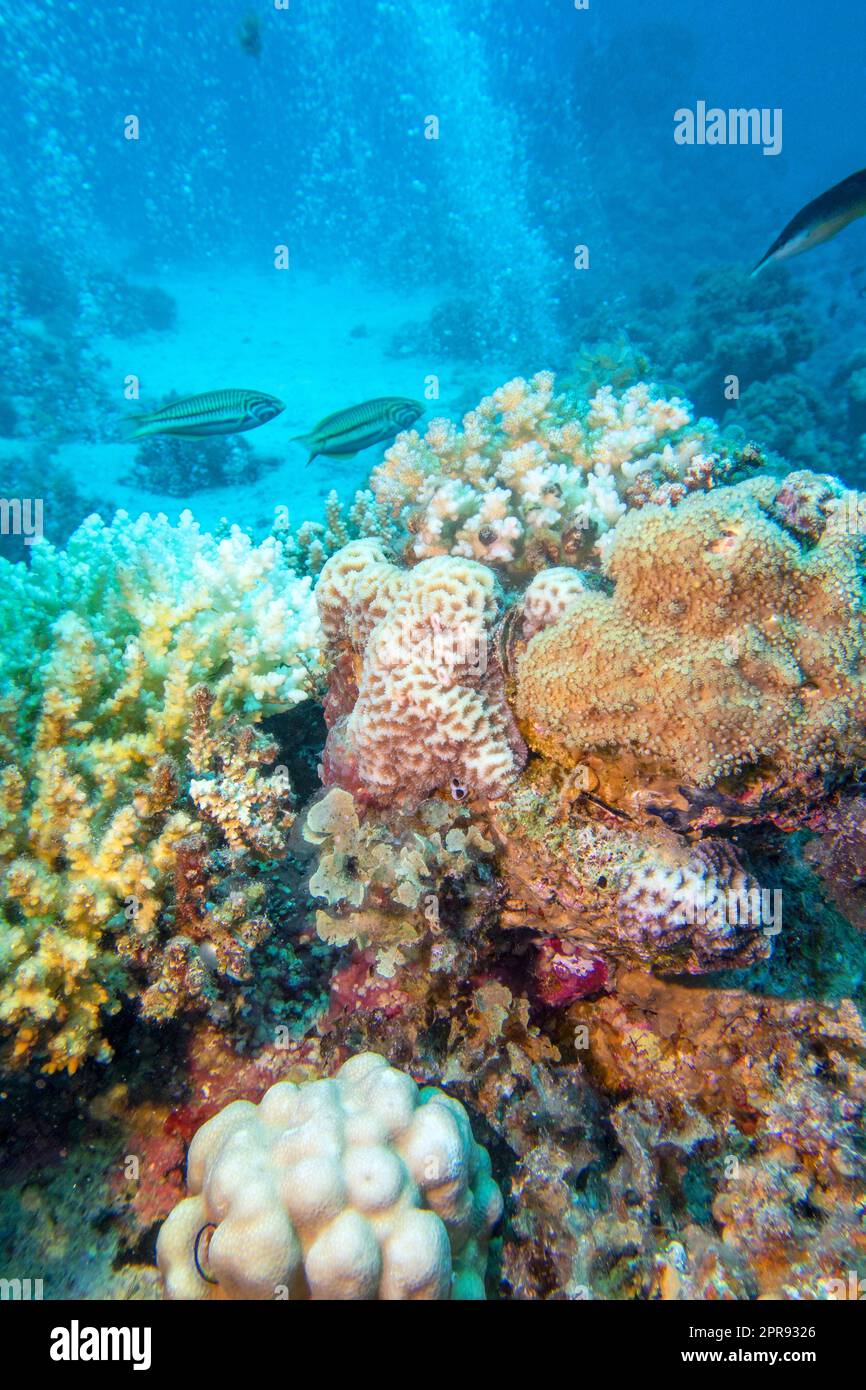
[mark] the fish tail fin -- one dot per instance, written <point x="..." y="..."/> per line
<point x="306" y="440"/>
<point x="133" y="426"/>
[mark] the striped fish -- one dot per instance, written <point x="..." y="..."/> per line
<point x="212" y="412"/>
<point x="347" y="432"/>
<point x="820" y="220"/>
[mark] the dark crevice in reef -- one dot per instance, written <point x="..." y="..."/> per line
<point x="300" y="733"/>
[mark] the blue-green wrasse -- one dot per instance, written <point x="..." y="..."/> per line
<point x="212" y="412"/>
<point x="349" y="431"/>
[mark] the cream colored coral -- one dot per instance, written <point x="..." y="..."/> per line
<point x="357" y="1187"/>
<point x="534" y="476"/>
<point x="431" y="710"/>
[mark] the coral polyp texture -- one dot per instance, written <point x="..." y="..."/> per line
<point x="730" y="647"/>
<point x="415" y="702"/>
<point x="534" y="478"/>
<point x="359" y="1186"/>
<point x="627" y="893"/>
<point x="119" y="650"/>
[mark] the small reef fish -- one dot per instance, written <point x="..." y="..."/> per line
<point x="250" y="35"/>
<point x="347" y="432"/>
<point x="820" y="220"/>
<point x="212" y="412"/>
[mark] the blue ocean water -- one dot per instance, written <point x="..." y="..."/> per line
<point x="156" y="144"/>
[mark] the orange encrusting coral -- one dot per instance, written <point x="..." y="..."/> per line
<point x="732" y="642"/>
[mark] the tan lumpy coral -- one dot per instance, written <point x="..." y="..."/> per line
<point x="733" y="640"/>
<point x="360" y="1186"/>
<point x="420" y="706"/>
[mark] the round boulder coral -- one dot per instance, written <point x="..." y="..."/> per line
<point x="360" y="1186"/>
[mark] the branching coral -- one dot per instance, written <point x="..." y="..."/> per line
<point x="217" y="912"/>
<point x="731" y="647"/>
<point x="109" y="641"/>
<point x="534" y="478"/>
<point x="415" y="704"/>
<point x="313" y="542"/>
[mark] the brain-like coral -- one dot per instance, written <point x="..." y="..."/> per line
<point x="357" y="1187"/>
<point x="416" y="701"/>
<point x="535" y="478"/>
<point x="731" y="645"/>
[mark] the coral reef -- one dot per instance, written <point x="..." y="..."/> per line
<point x="727" y="322"/>
<point x="729" y="653"/>
<point x="766" y="1098"/>
<point x="621" y="891"/>
<point x="356" y="1187"/>
<point x="534" y="478"/>
<point x="109" y="644"/>
<point x="414" y="703"/>
<point x="178" y="467"/>
<point x="383" y="877"/>
<point x="313" y="542"/>
<point x="514" y="814"/>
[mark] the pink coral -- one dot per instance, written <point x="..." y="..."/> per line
<point x="430" y="710"/>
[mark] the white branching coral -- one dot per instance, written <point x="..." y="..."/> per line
<point x="415" y="702"/>
<point x="535" y="478"/>
<point x="357" y="1187"/>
